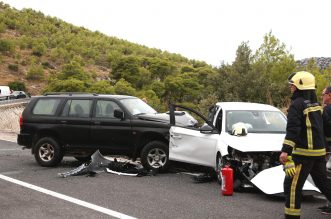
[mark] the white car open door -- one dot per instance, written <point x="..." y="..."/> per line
<point x="193" y="144"/>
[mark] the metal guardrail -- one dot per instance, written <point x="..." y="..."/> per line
<point x="14" y="101"/>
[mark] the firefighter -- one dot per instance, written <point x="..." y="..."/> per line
<point x="326" y="100"/>
<point x="303" y="150"/>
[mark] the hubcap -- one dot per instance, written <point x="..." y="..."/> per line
<point x="46" y="152"/>
<point x="157" y="158"/>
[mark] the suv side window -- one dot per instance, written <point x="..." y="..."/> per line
<point x="77" y="108"/>
<point x="46" y="106"/>
<point x="105" y="109"/>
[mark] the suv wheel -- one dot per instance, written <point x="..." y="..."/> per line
<point x="47" y="152"/>
<point x="155" y="156"/>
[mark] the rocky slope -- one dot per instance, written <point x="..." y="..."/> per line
<point x="322" y="62"/>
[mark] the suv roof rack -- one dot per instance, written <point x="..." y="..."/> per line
<point x="68" y="93"/>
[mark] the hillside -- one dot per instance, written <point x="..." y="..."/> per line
<point x="35" y="48"/>
<point x="321" y="62"/>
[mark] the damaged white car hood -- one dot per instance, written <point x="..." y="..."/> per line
<point x="254" y="142"/>
<point x="271" y="181"/>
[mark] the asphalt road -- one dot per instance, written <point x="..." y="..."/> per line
<point x="41" y="193"/>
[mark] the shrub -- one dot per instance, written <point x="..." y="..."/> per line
<point x="47" y="65"/>
<point x="2" y="27"/>
<point x="17" y="85"/>
<point x="6" y="46"/>
<point x="35" y="72"/>
<point x="38" y="49"/>
<point x="13" y="67"/>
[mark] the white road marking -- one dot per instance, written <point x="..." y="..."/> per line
<point x="18" y="149"/>
<point x="12" y="172"/>
<point x="67" y="198"/>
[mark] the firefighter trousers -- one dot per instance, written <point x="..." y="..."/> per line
<point x="316" y="167"/>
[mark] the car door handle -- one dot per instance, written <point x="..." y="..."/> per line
<point x="176" y="136"/>
<point x="97" y="123"/>
<point x="63" y="122"/>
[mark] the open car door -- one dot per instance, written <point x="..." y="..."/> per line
<point x="195" y="144"/>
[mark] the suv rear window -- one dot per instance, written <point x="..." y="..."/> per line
<point x="46" y="106"/>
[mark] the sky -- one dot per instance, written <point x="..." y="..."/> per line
<point x="206" y="30"/>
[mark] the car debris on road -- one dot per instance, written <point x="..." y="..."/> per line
<point x="100" y="164"/>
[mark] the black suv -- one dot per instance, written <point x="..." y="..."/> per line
<point x="71" y="124"/>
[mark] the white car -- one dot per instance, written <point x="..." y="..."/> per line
<point x="246" y="136"/>
<point x="5" y="92"/>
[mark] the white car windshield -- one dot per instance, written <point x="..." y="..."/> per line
<point x="137" y="106"/>
<point x="257" y="121"/>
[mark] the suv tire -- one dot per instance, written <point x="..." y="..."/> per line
<point x="47" y="152"/>
<point x="155" y="156"/>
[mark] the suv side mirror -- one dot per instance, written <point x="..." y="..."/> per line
<point x="118" y="114"/>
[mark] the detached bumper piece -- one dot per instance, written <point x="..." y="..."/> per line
<point x="99" y="164"/>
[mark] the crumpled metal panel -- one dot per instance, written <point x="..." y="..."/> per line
<point x="99" y="164"/>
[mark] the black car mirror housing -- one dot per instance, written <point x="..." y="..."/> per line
<point x="119" y="114"/>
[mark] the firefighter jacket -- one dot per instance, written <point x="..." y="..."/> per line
<point x="327" y="124"/>
<point x="304" y="130"/>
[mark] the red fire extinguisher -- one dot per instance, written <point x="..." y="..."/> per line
<point x="227" y="180"/>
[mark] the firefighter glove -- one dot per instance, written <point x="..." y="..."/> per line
<point x="289" y="167"/>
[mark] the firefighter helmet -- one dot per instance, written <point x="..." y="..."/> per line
<point x="303" y="80"/>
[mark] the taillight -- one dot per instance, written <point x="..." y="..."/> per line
<point x="21" y="121"/>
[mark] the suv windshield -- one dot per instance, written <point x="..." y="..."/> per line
<point x="137" y="106"/>
<point x="257" y="121"/>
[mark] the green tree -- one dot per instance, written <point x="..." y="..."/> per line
<point x="123" y="87"/>
<point x="207" y="102"/>
<point x="322" y="77"/>
<point x="183" y="88"/>
<point x="274" y="63"/>
<point x="243" y="61"/>
<point x="160" y="69"/>
<point x="159" y="88"/>
<point x="152" y="99"/>
<point x="101" y="87"/>
<point x="68" y="85"/>
<point x="75" y="71"/>
<point x="127" y="68"/>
